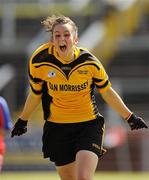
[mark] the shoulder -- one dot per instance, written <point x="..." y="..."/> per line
<point x="84" y="52"/>
<point x="86" y="56"/>
<point x="41" y="52"/>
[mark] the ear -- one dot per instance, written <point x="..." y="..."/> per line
<point x="76" y="40"/>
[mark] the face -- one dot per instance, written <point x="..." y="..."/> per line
<point x="64" y="39"/>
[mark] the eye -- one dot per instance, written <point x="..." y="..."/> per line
<point x="67" y="35"/>
<point x="57" y="35"/>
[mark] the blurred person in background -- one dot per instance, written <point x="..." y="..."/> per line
<point x="62" y="76"/>
<point x="5" y="126"/>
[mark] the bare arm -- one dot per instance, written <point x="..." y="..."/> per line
<point x="114" y="100"/>
<point x="30" y="105"/>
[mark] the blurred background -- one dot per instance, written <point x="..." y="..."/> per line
<point x="117" y="32"/>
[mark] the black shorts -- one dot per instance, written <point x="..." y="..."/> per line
<point x="61" y="142"/>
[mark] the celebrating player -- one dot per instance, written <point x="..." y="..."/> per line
<point x="63" y="76"/>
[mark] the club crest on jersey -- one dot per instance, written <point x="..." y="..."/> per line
<point x="82" y="71"/>
<point x="51" y="74"/>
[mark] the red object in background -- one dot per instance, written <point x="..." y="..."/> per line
<point x="5" y="125"/>
<point x="115" y="136"/>
<point x="2" y="145"/>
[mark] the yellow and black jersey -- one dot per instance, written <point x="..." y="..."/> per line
<point x="67" y="89"/>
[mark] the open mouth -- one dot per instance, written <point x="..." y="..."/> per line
<point x="63" y="47"/>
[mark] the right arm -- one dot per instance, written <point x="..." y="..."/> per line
<point x="31" y="104"/>
<point x="20" y="126"/>
<point x="34" y="97"/>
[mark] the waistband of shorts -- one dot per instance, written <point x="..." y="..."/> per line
<point x="98" y="118"/>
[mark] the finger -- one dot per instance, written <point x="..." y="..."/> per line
<point x="143" y="123"/>
<point x="133" y="128"/>
<point x="141" y="126"/>
<point x="145" y="126"/>
<point x="13" y="134"/>
<point x="20" y="132"/>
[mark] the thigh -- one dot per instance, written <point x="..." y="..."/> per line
<point x="67" y="172"/>
<point x="86" y="163"/>
<point x="83" y="168"/>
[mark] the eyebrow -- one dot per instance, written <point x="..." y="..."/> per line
<point x="59" y="31"/>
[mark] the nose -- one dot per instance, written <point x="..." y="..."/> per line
<point x="62" y="38"/>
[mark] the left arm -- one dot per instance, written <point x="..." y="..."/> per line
<point x="112" y="98"/>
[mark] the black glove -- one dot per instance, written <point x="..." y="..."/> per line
<point x="20" y="128"/>
<point x="136" y="122"/>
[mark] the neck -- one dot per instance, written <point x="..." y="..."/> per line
<point x="67" y="58"/>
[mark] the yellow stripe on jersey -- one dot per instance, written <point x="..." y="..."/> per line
<point x="67" y="89"/>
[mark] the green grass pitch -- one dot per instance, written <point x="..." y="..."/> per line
<point x="54" y="176"/>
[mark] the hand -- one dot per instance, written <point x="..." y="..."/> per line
<point x="20" y="128"/>
<point x="136" y="122"/>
